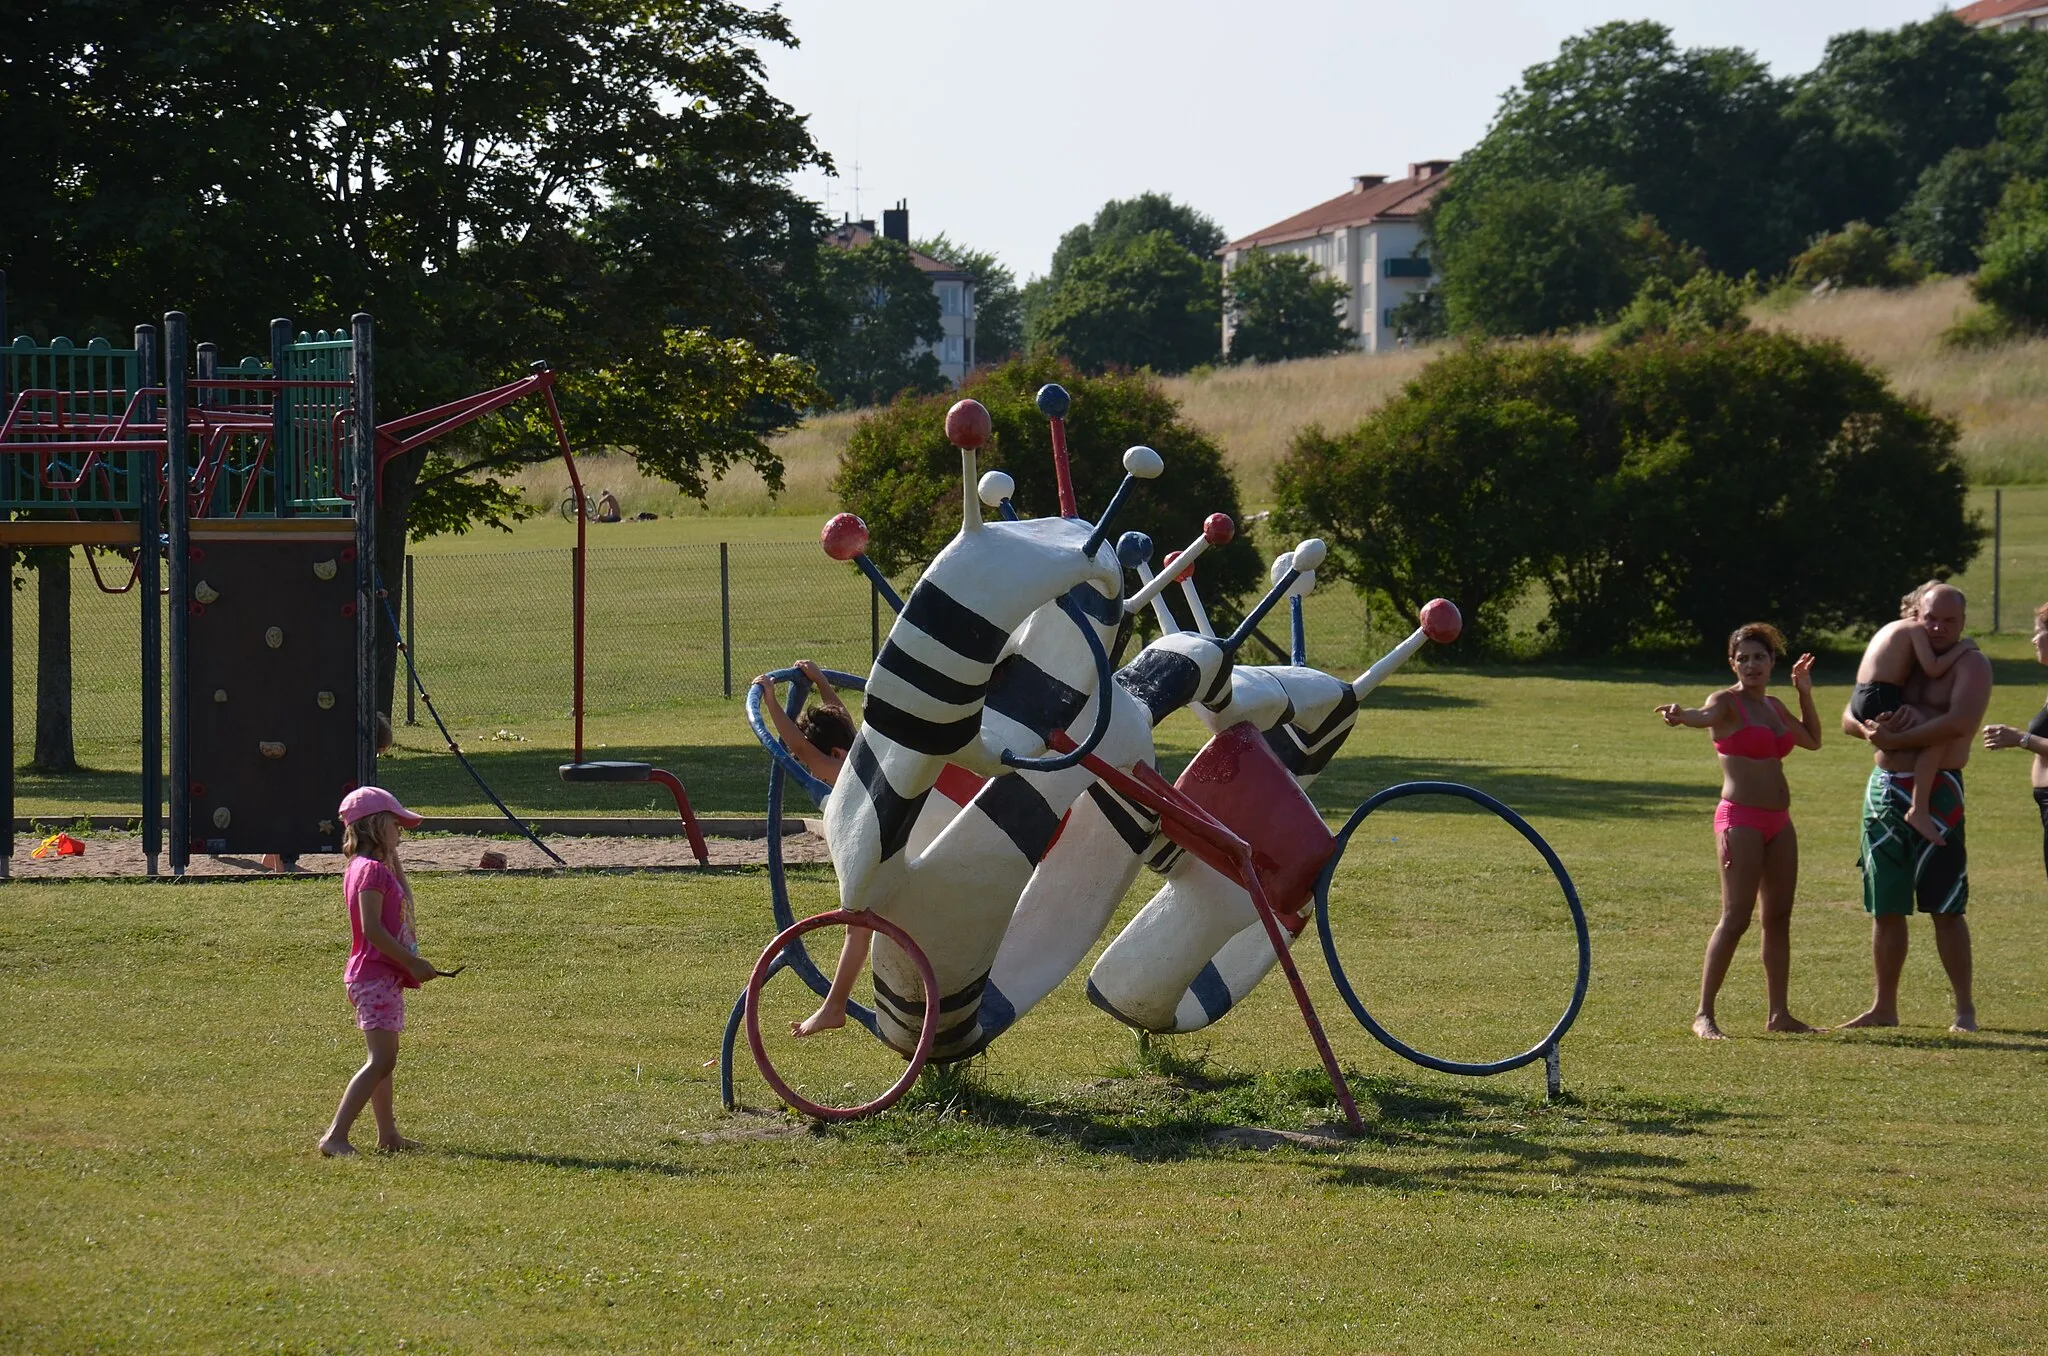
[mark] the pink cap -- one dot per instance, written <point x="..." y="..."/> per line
<point x="371" y="800"/>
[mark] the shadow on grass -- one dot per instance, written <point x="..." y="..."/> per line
<point x="2030" y="1042"/>
<point x="577" y="1162"/>
<point x="1171" y="1106"/>
<point x="1349" y="780"/>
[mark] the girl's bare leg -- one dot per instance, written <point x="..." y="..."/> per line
<point x="1780" y="884"/>
<point x="832" y="1012"/>
<point x="388" y="1138"/>
<point x="1742" y="865"/>
<point x="376" y="1070"/>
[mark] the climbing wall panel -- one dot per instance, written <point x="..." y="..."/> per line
<point x="273" y="691"/>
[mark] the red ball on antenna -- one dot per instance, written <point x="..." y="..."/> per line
<point x="1167" y="566"/>
<point x="967" y="425"/>
<point x="845" y="536"/>
<point x="1440" y="620"/>
<point x="1218" y="528"/>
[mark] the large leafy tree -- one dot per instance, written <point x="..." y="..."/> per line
<point x="1281" y="306"/>
<point x="1122" y="220"/>
<point x="582" y="181"/>
<point x="1147" y="302"/>
<point x="889" y="318"/>
<point x="998" y="305"/>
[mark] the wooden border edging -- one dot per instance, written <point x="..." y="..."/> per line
<point x="578" y="826"/>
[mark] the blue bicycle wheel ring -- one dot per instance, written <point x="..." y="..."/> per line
<point x="1343" y="981"/>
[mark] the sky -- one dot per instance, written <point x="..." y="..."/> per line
<point x="1003" y="125"/>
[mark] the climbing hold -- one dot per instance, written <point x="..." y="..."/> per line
<point x="348" y="555"/>
<point x="348" y="609"/>
<point x="327" y="826"/>
<point x="270" y="748"/>
<point x="274" y="637"/>
<point x="323" y="569"/>
<point x="325" y="700"/>
<point x="220" y="694"/>
<point x="205" y="592"/>
<point x="221" y="817"/>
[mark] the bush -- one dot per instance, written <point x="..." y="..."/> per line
<point x="1281" y="307"/>
<point x="1859" y="255"/>
<point x="900" y="474"/>
<point x="2013" y="280"/>
<point x="1706" y="303"/>
<point x="1660" y="492"/>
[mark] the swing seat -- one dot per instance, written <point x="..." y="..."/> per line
<point x="644" y="772"/>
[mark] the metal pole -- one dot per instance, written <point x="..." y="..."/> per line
<point x="1997" y="550"/>
<point x="725" y="612"/>
<point x="283" y="456"/>
<point x="578" y="564"/>
<point x="149" y="530"/>
<point x="179" y="472"/>
<point x="411" y="715"/>
<point x="363" y="448"/>
<point x="874" y="621"/>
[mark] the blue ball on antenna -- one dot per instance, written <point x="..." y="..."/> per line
<point x="1133" y="549"/>
<point x="1053" y="400"/>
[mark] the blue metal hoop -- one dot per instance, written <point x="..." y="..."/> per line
<point x="1343" y="982"/>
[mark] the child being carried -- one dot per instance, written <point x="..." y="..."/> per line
<point x="1880" y="700"/>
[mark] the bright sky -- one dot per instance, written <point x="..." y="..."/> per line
<point x="1006" y="124"/>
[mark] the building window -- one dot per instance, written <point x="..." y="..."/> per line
<point x="954" y="350"/>
<point x="949" y="298"/>
<point x="1410" y="267"/>
<point x="1340" y="247"/>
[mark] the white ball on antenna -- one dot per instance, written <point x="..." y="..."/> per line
<point x="1282" y="563"/>
<point x="1309" y="555"/>
<point x="1302" y="585"/>
<point x="995" y="487"/>
<point x="1143" y="462"/>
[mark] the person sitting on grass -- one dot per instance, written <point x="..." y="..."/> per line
<point x="1880" y="699"/>
<point x="819" y="740"/>
<point x="383" y="959"/>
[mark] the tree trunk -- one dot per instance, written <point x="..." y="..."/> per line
<point x="54" y="749"/>
<point x="399" y="477"/>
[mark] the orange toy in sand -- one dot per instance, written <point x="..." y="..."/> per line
<point x="59" y="845"/>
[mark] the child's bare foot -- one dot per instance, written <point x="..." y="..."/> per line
<point x="824" y="1019"/>
<point x="330" y="1147"/>
<point x="1927" y="826"/>
<point x="1786" y="1022"/>
<point x="1871" y="1018"/>
<point x="396" y="1146"/>
<point x="1703" y="1026"/>
<point x="1966" y="1020"/>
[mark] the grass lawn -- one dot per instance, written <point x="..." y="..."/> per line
<point x="175" y="1050"/>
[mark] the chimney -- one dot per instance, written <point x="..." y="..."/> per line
<point x="1427" y="169"/>
<point x="896" y="221"/>
<point x="1361" y="182"/>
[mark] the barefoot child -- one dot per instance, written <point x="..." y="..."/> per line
<point x="383" y="958"/>
<point x="819" y="739"/>
<point x="1880" y="700"/>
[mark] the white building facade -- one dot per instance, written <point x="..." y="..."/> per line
<point x="1369" y="240"/>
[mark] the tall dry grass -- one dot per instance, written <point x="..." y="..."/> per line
<point x="810" y="458"/>
<point x="1998" y="395"/>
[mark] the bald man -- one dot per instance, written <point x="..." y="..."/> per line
<point x="1900" y="868"/>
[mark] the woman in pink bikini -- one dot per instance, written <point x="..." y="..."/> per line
<point x="1753" y="834"/>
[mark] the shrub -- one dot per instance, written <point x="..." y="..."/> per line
<point x="2013" y="280"/>
<point x="1706" y="303"/>
<point x="1659" y="492"/>
<point x="901" y="475"/>
<point x="1281" y="307"/>
<point x="1858" y="255"/>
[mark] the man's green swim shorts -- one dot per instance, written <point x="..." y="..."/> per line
<point x="1900" y="868"/>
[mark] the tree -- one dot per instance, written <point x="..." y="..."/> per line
<point x="55" y="750"/>
<point x="1542" y="255"/>
<point x="1859" y="255"/>
<point x="1706" y="303"/>
<point x="2014" y="278"/>
<point x="1942" y="224"/>
<point x="1147" y="302"/>
<point x="1281" y="307"/>
<point x="890" y="319"/>
<point x="496" y="182"/>
<point x="902" y="476"/>
<point x="998" y="305"/>
<point x="1121" y="221"/>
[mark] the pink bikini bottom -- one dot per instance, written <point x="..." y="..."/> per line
<point x="1769" y="823"/>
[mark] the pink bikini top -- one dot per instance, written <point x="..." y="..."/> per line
<point x="1756" y="741"/>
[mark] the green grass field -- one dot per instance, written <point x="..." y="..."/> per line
<point x="174" y="1051"/>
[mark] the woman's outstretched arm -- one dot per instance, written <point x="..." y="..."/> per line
<point x="1700" y="719"/>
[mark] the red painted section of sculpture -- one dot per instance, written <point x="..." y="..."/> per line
<point x="1218" y="528"/>
<point x="845" y="536"/>
<point x="1441" y="621"/>
<point x="1237" y="779"/>
<point x="968" y="425"/>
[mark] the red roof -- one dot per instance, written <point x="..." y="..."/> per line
<point x="1366" y="203"/>
<point x="852" y="234"/>
<point x="1986" y="11"/>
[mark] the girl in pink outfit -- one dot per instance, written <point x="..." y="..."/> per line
<point x="383" y="958"/>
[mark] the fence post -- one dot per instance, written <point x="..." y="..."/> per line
<point x="1997" y="550"/>
<point x="362" y="438"/>
<point x="283" y="454"/>
<point x="725" y="612"/>
<point x="178" y="470"/>
<point x="149" y="581"/>
<point x="413" y="655"/>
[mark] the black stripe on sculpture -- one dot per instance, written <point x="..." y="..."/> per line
<point x="952" y="1002"/>
<point x="1211" y="992"/>
<point x="1137" y="836"/>
<point x="1299" y="761"/>
<point x="959" y="628"/>
<point x="1161" y="680"/>
<point x="1032" y="697"/>
<point x="935" y="737"/>
<point x="926" y="679"/>
<point x="894" y="813"/>
<point x="1347" y="707"/>
<point x="1015" y="806"/>
<point x="1108" y="611"/>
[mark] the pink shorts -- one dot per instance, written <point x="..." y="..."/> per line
<point x="1770" y="823"/>
<point x="380" y="1003"/>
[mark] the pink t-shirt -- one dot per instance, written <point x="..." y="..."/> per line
<point x="364" y="960"/>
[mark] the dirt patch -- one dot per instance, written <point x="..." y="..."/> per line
<point x="118" y="854"/>
<point x="1259" y="1137"/>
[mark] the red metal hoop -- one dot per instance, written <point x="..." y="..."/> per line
<point x="927" y="1034"/>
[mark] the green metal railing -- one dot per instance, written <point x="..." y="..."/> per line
<point x="53" y="395"/>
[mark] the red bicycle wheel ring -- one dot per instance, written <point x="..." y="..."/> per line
<point x="926" y="1035"/>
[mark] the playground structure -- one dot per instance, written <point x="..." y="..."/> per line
<point x="988" y="849"/>
<point x="237" y="492"/>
